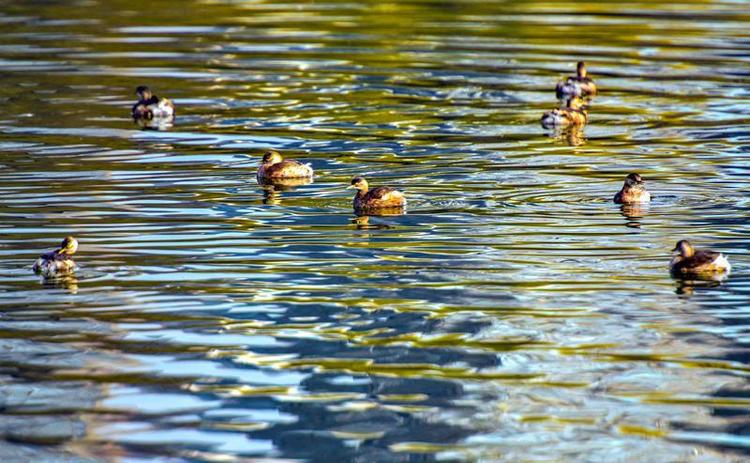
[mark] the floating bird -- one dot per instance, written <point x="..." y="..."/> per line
<point x="274" y="167"/>
<point x="689" y="261"/>
<point x="382" y="197"/>
<point x="633" y="191"/>
<point x="579" y="85"/>
<point x="58" y="261"/>
<point x="572" y="115"/>
<point x="150" y="106"/>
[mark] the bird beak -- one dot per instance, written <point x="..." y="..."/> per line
<point x="350" y="187"/>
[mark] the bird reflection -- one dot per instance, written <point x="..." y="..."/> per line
<point x="382" y="212"/>
<point x="157" y="124"/>
<point x="634" y="212"/>
<point x="687" y="287"/>
<point x="272" y="188"/>
<point x="573" y="135"/>
<point x="362" y="222"/>
<point x="66" y="281"/>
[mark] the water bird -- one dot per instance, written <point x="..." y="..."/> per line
<point x="579" y="85"/>
<point x="571" y="115"/>
<point x="274" y="167"/>
<point x="633" y="191"/>
<point x="58" y="261"/>
<point x="382" y="197"/>
<point x="150" y="106"/>
<point x="689" y="261"/>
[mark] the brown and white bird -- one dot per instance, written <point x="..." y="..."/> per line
<point x="689" y="261"/>
<point x="382" y="197"/>
<point x="275" y="167"/>
<point x="633" y="191"/>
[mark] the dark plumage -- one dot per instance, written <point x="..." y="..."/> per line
<point x="150" y="106"/>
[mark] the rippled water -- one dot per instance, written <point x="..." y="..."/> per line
<point x="514" y="313"/>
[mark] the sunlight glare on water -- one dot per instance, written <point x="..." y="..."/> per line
<point x="514" y="313"/>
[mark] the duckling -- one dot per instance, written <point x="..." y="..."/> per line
<point x="382" y="197"/>
<point x="691" y="261"/>
<point x="572" y="115"/>
<point x="579" y="85"/>
<point x="633" y="191"/>
<point x="274" y="167"/>
<point x="150" y="106"/>
<point x="59" y="260"/>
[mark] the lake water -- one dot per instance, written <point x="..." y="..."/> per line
<point x="514" y="313"/>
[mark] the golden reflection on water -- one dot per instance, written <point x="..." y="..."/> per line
<point x="512" y="313"/>
<point x="67" y="281"/>
<point x="273" y="189"/>
<point x="634" y="212"/>
<point x="573" y="136"/>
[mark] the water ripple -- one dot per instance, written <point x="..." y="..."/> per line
<point x="513" y="313"/>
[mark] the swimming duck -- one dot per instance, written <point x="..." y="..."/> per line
<point x="382" y="197"/>
<point x="579" y="85"/>
<point x="274" y="167"/>
<point x="150" y="106"/>
<point x="58" y="261"/>
<point x="691" y="261"/>
<point x="633" y="191"/>
<point x="572" y="115"/>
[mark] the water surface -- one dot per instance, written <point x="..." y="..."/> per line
<point x="513" y="314"/>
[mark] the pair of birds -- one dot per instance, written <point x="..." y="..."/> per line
<point x="572" y="91"/>
<point x="688" y="262"/>
<point x="275" y="169"/>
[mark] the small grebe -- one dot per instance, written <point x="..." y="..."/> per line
<point x="59" y="260"/>
<point x="382" y="197"/>
<point x="633" y="191"/>
<point x="579" y="85"/>
<point x="572" y="115"/>
<point x="150" y="106"/>
<point x="274" y="167"/>
<point x="691" y="261"/>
